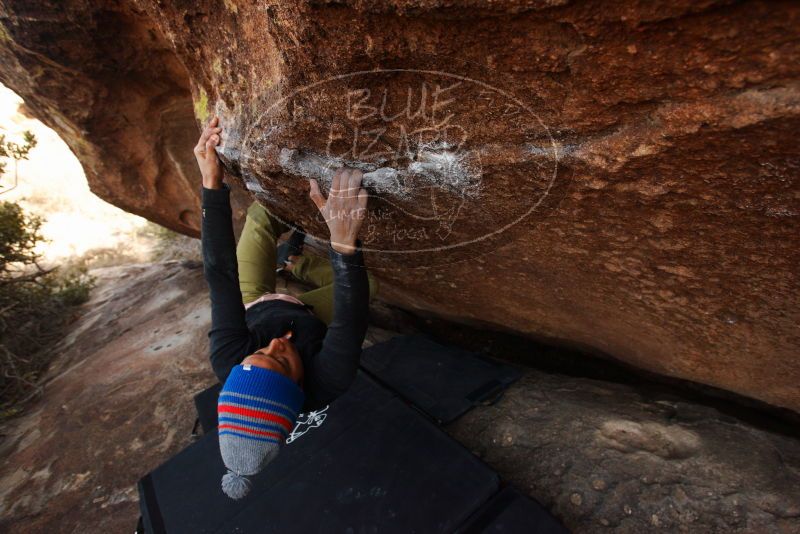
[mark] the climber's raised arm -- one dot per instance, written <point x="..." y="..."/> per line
<point x="344" y="211"/>
<point x="229" y="337"/>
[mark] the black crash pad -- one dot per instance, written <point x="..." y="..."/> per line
<point x="205" y="403"/>
<point x="366" y="463"/>
<point x="442" y="381"/>
<point x="510" y="512"/>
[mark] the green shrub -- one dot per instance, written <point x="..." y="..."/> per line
<point x="15" y="151"/>
<point x="19" y="234"/>
<point x="73" y="286"/>
<point x="36" y="303"/>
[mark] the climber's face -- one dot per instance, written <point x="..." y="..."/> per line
<point x="280" y="356"/>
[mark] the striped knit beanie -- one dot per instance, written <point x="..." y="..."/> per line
<point x="257" y="410"/>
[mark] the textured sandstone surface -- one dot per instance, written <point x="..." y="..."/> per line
<point x="118" y="401"/>
<point x="611" y="457"/>
<point x="623" y="176"/>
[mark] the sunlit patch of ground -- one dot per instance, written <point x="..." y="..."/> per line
<point x="51" y="184"/>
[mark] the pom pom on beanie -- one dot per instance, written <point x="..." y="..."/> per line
<point x="235" y="486"/>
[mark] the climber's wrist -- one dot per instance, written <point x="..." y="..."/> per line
<point x="212" y="182"/>
<point x="345" y="246"/>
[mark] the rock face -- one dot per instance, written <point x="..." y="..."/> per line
<point x="618" y="177"/>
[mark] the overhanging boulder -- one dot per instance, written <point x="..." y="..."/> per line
<point x="621" y="178"/>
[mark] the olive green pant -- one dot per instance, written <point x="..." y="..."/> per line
<point x="257" y="254"/>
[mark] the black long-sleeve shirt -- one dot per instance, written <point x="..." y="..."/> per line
<point x="330" y="354"/>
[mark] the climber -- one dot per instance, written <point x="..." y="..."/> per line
<point x="276" y="354"/>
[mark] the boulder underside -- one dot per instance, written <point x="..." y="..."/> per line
<point x="617" y="177"/>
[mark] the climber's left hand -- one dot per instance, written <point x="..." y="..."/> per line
<point x="207" y="159"/>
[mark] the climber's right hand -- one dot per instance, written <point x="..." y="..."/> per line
<point x="207" y="159"/>
<point x="345" y="208"/>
